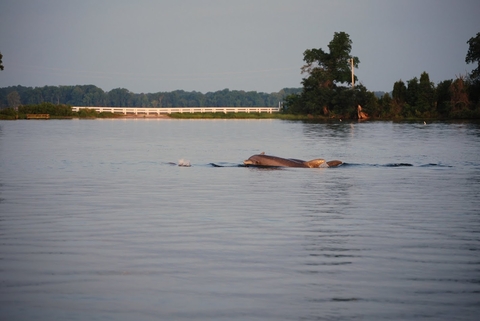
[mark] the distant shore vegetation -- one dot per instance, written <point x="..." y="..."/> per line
<point x="53" y="111"/>
<point x="330" y="91"/>
<point x="90" y="95"/>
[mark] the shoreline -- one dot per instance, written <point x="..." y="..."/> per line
<point x="142" y="116"/>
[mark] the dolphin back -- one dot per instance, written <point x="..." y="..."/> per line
<point x="262" y="160"/>
<point x="316" y="163"/>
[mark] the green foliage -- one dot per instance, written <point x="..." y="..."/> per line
<point x="418" y="98"/>
<point x="385" y="106"/>
<point x="459" y="99"/>
<point x="220" y="115"/>
<point x="92" y="113"/>
<point x="474" y="92"/>
<point x="13" y="99"/>
<point x="367" y="100"/>
<point x="240" y="116"/>
<point x="90" y="95"/>
<point x="55" y="111"/>
<point x="87" y="113"/>
<point x="47" y="108"/>
<point x="466" y="113"/>
<point x="399" y="93"/>
<point x="8" y="113"/>
<point x="443" y="101"/>
<point x="328" y="69"/>
<point x="322" y="92"/>
<point x="473" y="55"/>
<point x="426" y="97"/>
<point x="412" y="92"/>
<point x="293" y="104"/>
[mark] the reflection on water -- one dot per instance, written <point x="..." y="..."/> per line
<point x="95" y="223"/>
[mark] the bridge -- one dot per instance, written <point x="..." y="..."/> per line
<point x="169" y="110"/>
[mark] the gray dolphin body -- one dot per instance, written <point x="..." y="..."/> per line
<point x="262" y="160"/>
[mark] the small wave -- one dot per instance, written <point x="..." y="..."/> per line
<point x="394" y="165"/>
<point x="215" y="165"/>
<point x="184" y="163"/>
<point x="345" y="299"/>
<point x="224" y="164"/>
<point x="397" y="164"/>
<point x="181" y="162"/>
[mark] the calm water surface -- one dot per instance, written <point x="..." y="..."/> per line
<point x="96" y="224"/>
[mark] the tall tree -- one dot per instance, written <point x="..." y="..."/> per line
<point x="458" y="95"/>
<point x="412" y="94"/>
<point x="443" y="97"/>
<point x="330" y="68"/>
<point x="426" y="97"/>
<point x="385" y="103"/>
<point x="399" y="95"/>
<point x="1" y="64"/>
<point x="473" y="55"/>
<point x="13" y="99"/>
<point x="327" y="70"/>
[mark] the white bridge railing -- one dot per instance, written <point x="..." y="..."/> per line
<point x="165" y="110"/>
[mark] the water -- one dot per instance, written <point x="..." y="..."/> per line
<point x="96" y="224"/>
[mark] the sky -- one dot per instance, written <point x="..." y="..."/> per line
<point x="149" y="46"/>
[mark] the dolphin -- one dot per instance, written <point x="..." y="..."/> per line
<point x="262" y="160"/>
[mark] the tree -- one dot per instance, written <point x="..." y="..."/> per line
<point x="426" y="96"/>
<point x="367" y="100"/>
<point x="13" y="99"/>
<point x="473" y="55"/>
<point x="444" y="97"/>
<point x="399" y="95"/>
<point x="412" y="94"/>
<point x="1" y="64"/>
<point x="458" y="96"/>
<point x="322" y="91"/>
<point x="385" y="103"/>
<point x="77" y="96"/>
<point x="93" y="96"/>
<point x="119" y="97"/>
<point x="51" y="94"/>
<point x="330" y="68"/>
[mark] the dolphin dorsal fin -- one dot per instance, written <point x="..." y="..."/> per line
<point x="314" y="163"/>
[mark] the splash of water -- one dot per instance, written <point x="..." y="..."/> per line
<point x="184" y="163"/>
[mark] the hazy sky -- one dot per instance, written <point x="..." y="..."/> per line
<point x="209" y="45"/>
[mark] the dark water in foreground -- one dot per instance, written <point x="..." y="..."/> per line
<point x="95" y="224"/>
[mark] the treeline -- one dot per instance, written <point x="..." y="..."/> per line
<point x="324" y="95"/>
<point x="417" y="98"/>
<point x="328" y="91"/>
<point x="90" y="95"/>
<point x="54" y="111"/>
<point x="421" y="98"/>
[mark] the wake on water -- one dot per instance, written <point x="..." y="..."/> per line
<point x="342" y="165"/>
<point x="186" y="163"/>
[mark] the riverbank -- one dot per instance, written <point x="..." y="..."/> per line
<point x="281" y="116"/>
<point x="107" y="115"/>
